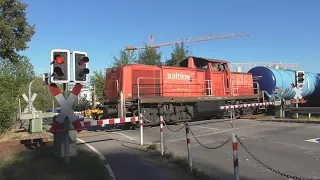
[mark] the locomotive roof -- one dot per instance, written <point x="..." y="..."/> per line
<point x="201" y="61"/>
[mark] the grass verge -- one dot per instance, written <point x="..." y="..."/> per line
<point x="315" y="121"/>
<point x="19" y="134"/>
<point x="181" y="163"/>
<point x="41" y="164"/>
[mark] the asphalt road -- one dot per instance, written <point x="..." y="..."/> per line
<point x="125" y="159"/>
<point x="282" y="146"/>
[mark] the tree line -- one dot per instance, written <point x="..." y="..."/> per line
<point x="16" y="71"/>
<point x="148" y="56"/>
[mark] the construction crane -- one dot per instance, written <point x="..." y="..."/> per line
<point x="189" y="40"/>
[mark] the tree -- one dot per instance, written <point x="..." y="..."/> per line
<point x="14" y="80"/>
<point x="149" y="56"/>
<point x="98" y="81"/>
<point x="82" y="104"/>
<point x="125" y="58"/>
<point x="15" y="31"/>
<point x="14" y="76"/>
<point x="44" y="99"/>
<point x="180" y="52"/>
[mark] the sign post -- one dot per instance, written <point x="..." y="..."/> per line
<point x="66" y="123"/>
<point x="31" y="115"/>
<point x="61" y="128"/>
<point x="66" y="126"/>
<point x="30" y="107"/>
<point x="297" y="87"/>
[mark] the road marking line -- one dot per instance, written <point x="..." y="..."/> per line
<point x="107" y="166"/>
<point x="206" y="127"/>
<point x="110" y="171"/>
<point x="208" y="134"/>
<point x="130" y="138"/>
<point x="315" y="140"/>
<point x="93" y="149"/>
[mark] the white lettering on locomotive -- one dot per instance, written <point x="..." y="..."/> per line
<point x="178" y="76"/>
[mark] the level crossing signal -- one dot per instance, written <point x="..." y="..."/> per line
<point x="80" y="66"/>
<point x="300" y="77"/>
<point x="60" y="66"/>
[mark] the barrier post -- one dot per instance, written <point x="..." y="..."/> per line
<point x="161" y="134"/>
<point x="66" y="126"/>
<point x="235" y="157"/>
<point x="188" y="146"/>
<point x="141" y="129"/>
<point x="232" y="117"/>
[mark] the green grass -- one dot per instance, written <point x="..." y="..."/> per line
<point x="301" y="118"/>
<point x="305" y="117"/>
<point x="42" y="164"/>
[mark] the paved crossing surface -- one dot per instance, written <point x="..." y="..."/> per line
<point x="126" y="159"/>
<point x="282" y="146"/>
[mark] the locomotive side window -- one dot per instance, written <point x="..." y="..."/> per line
<point x="214" y="67"/>
<point x="203" y="67"/>
<point x="221" y="67"/>
<point x="218" y="67"/>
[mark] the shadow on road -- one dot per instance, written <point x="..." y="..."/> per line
<point x="158" y="167"/>
<point x="42" y="164"/>
<point x="134" y="154"/>
<point x="195" y="123"/>
<point x="108" y="139"/>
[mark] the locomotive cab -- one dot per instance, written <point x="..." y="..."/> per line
<point x="216" y="71"/>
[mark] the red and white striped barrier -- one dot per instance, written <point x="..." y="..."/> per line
<point x="103" y="122"/>
<point x="247" y="105"/>
<point x="188" y="146"/>
<point x="56" y="114"/>
<point x="235" y="157"/>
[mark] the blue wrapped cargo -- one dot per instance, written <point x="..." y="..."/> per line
<point x="277" y="82"/>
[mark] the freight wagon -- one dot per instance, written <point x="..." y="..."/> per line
<point x="276" y="84"/>
<point x="194" y="90"/>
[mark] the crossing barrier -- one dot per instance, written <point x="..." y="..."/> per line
<point x="233" y="107"/>
<point x="76" y="113"/>
<point x="246" y="105"/>
<point x="101" y="122"/>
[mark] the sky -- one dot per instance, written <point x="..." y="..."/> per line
<point x="285" y="31"/>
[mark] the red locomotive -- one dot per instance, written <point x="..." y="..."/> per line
<point x="194" y="90"/>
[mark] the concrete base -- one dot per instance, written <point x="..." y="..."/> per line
<point x="59" y="142"/>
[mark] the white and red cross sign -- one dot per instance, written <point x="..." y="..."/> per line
<point x="298" y="91"/>
<point x="66" y="108"/>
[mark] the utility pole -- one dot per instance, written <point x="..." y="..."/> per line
<point x="94" y="96"/>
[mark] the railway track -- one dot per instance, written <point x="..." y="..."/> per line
<point x="257" y="116"/>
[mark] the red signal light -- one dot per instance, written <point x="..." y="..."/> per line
<point x="59" y="59"/>
<point x="83" y="61"/>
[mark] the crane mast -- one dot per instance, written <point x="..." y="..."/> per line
<point x="191" y="40"/>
